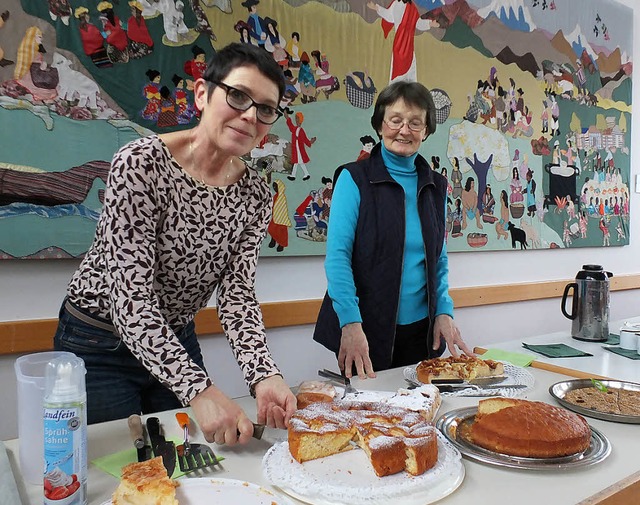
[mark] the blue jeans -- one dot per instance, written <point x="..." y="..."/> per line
<point x="117" y="383"/>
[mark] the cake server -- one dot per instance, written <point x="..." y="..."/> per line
<point x="193" y="456"/>
<point x="160" y="446"/>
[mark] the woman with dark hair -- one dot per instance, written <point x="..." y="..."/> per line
<point x="387" y="302"/>
<point x="275" y="43"/>
<point x="140" y="41"/>
<point x="117" y="41"/>
<point x="488" y="204"/>
<point x="503" y="224"/>
<point x="470" y="203"/>
<point x="151" y="93"/>
<point x="325" y="82"/>
<point x="200" y="215"/>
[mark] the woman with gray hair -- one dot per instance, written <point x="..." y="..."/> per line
<point x="387" y="302"/>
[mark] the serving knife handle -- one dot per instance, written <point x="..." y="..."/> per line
<point x="136" y="430"/>
<point x="153" y="429"/>
<point x="335" y="376"/>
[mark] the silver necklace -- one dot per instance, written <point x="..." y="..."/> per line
<point x="200" y="173"/>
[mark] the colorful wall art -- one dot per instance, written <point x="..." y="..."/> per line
<point x="533" y="105"/>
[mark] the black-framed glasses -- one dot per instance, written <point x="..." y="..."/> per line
<point x="396" y="123"/>
<point x="239" y="100"/>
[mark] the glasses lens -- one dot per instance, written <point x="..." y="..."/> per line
<point x="416" y="126"/>
<point x="238" y="99"/>
<point x="267" y="114"/>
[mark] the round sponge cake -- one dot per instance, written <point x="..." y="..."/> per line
<point x="529" y="429"/>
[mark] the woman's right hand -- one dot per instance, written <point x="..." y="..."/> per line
<point x="354" y="349"/>
<point x="220" y="419"/>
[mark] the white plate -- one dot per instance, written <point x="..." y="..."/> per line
<point x="349" y="478"/>
<point x="515" y="375"/>
<point x="205" y="491"/>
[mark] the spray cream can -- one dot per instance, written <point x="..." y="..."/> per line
<point x="65" y="432"/>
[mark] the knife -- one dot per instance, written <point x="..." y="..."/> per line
<point x="160" y="446"/>
<point x="479" y="381"/>
<point x="136" y="430"/>
<point x="449" y="388"/>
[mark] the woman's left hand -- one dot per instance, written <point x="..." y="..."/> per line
<point x="445" y="328"/>
<point x="275" y="402"/>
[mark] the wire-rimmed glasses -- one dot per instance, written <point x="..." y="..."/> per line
<point x="396" y="123"/>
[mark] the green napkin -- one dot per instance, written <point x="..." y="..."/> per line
<point x="613" y="339"/>
<point x="627" y="353"/>
<point x="514" y="358"/>
<point x="113" y="463"/>
<point x="556" y="350"/>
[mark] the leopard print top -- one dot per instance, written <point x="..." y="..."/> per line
<point x="164" y="243"/>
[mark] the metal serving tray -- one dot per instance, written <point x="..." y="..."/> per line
<point x="560" y="389"/>
<point x="451" y="423"/>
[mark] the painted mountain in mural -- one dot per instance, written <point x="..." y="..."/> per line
<point x="513" y="13"/>
<point x="512" y="45"/>
<point x="580" y="44"/>
<point x="459" y="9"/>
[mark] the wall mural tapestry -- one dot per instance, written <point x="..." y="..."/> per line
<point x="533" y="105"/>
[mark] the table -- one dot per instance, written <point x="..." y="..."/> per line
<point x="603" y="363"/>
<point x="512" y="486"/>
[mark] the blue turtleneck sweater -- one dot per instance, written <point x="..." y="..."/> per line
<point x="345" y="205"/>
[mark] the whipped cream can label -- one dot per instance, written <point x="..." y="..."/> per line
<point x="65" y="454"/>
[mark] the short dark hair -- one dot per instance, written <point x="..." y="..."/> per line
<point x="237" y="55"/>
<point x="413" y="93"/>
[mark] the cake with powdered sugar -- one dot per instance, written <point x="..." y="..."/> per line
<point x="393" y="429"/>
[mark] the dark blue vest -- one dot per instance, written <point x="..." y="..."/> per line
<point x="378" y="252"/>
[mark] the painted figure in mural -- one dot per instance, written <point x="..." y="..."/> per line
<point x="372" y="298"/>
<point x="92" y="40"/>
<point x="196" y="66"/>
<point x="516" y="187"/>
<point x="306" y="79"/>
<point x="530" y="191"/>
<point x="167" y="116"/>
<point x="325" y="82"/>
<point x="456" y="179"/>
<point x="294" y="51"/>
<point x="502" y="226"/>
<point x="117" y="41"/>
<point x="367" y="142"/>
<point x="60" y="9"/>
<point x="32" y="71"/>
<point x="470" y="203"/>
<point x="445" y="173"/>
<point x="257" y="28"/>
<point x="275" y="43"/>
<point x="140" y="42"/>
<point x="403" y="16"/>
<point x="201" y="215"/>
<point x="488" y="204"/>
<point x="243" y="29"/>
<point x="457" y="217"/>
<point x="299" y="144"/>
<point x="606" y="235"/>
<point x="4" y="62"/>
<point x="151" y="93"/>
<point x="185" y="111"/>
<point x="280" y="221"/>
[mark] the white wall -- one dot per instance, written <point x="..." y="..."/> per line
<point x="34" y="290"/>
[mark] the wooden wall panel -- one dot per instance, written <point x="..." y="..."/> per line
<point x="19" y="337"/>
